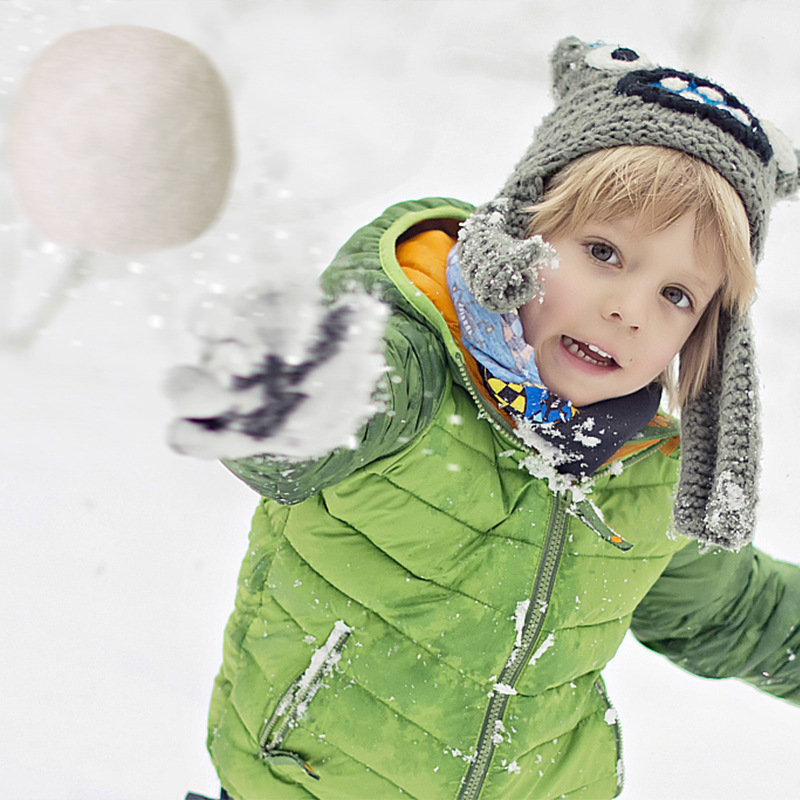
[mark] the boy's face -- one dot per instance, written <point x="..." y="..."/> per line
<point x="618" y="308"/>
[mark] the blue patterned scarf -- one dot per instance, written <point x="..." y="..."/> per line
<point x="505" y="359"/>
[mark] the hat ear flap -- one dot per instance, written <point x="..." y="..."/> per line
<point x="721" y="446"/>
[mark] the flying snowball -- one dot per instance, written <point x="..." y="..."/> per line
<point x="121" y="141"/>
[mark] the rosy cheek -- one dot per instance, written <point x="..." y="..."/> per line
<point x="663" y="357"/>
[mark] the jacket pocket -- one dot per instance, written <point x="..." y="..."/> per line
<point x="295" y="701"/>
<point x="612" y="718"/>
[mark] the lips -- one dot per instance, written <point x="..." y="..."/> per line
<point x="589" y="353"/>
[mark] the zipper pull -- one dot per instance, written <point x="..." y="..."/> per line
<point x="286" y="757"/>
<point x="592" y="517"/>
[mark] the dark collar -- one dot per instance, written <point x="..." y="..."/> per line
<point x="593" y="435"/>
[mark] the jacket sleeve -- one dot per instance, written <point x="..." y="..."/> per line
<point x="408" y="398"/>
<point x="721" y="614"/>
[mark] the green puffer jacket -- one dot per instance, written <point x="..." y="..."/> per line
<point x="425" y="617"/>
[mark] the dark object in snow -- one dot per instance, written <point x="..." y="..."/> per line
<point x="223" y="795"/>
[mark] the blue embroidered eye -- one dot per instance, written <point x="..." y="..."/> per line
<point x="689" y="89"/>
<point x="683" y="91"/>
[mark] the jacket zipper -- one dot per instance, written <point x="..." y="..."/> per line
<point x="521" y="654"/>
<point x="493" y="417"/>
<point x="537" y="608"/>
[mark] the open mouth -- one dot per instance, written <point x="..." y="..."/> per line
<point x="588" y="352"/>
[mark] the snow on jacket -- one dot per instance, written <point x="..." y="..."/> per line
<point x="425" y="617"/>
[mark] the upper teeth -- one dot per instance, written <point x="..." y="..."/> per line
<point x="579" y="351"/>
<point x="598" y="351"/>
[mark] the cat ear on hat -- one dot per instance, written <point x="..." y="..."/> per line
<point x="787" y="160"/>
<point x="565" y="63"/>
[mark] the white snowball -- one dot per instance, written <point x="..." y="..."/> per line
<point x="121" y="141"/>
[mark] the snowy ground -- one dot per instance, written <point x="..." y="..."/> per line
<point x="119" y="558"/>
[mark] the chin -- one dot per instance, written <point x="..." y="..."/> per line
<point x="581" y="399"/>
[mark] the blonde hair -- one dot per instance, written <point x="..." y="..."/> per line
<point x="658" y="186"/>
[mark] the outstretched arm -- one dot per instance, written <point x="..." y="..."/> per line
<point x="721" y="614"/>
<point x="406" y="400"/>
<point x="291" y="413"/>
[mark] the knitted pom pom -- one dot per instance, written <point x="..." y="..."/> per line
<point x="501" y="271"/>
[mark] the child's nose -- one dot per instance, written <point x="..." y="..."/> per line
<point x="628" y="308"/>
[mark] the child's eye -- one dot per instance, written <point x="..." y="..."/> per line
<point x="677" y="297"/>
<point x="600" y="251"/>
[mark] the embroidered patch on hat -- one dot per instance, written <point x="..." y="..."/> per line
<point x="683" y="91"/>
<point x="613" y="57"/>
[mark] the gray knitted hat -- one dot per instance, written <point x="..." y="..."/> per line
<point x="609" y="96"/>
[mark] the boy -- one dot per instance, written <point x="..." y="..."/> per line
<point x="428" y="612"/>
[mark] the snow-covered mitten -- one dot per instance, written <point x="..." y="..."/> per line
<point x="280" y="374"/>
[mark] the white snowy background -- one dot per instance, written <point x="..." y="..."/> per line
<point x="119" y="558"/>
